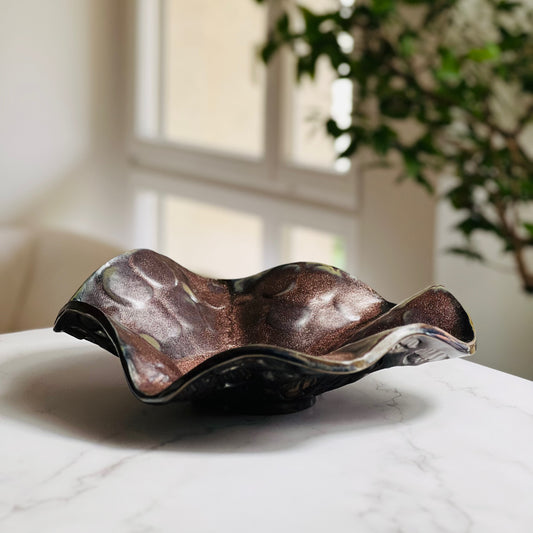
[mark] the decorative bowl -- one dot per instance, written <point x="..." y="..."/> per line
<point x="265" y="343"/>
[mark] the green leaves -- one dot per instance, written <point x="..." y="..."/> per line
<point x="529" y="228"/>
<point x="312" y="20"/>
<point x="412" y="164"/>
<point x="383" y="139"/>
<point x="306" y="65"/>
<point x="282" y="24"/>
<point x="333" y="129"/>
<point x="465" y="252"/>
<point x="414" y="168"/>
<point x="461" y="196"/>
<point x="489" y="52"/>
<point x="527" y="82"/>
<point x="268" y="50"/>
<point x="477" y="221"/>
<point x="526" y="189"/>
<point x="395" y="104"/>
<point x="408" y="68"/>
<point x="352" y="147"/>
<point x="450" y="66"/>
<point x="507" y="6"/>
<point x="510" y="40"/>
<point x="383" y="7"/>
<point x="406" y="43"/>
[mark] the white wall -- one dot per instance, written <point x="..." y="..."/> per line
<point x="396" y="235"/>
<point x="502" y="313"/>
<point x="61" y="120"/>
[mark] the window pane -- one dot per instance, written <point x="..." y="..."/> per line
<point x="211" y="240"/>
<point x="213" y="81"/>
<point x="308" y="244"/>
<point x="312" y="102"/>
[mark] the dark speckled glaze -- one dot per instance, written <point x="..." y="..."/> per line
<point x="265" y="343"/>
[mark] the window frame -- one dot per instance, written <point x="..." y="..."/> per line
<point x="313" y="195"/>
<point x="275" y="213"/>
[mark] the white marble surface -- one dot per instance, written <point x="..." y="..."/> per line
<point x="444" y="447"/>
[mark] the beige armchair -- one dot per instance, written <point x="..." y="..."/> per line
<point x="40" y="270"/>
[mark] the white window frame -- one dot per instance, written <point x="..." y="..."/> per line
<point x="276" y="214"/>
<point x="319" y="198"/>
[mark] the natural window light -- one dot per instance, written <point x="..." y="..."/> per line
<point x="233" y="169"/>
<point x="307" y="244"/>
<point x="311" y="102"/>
<point x="212" y="240"/>
<point x="214" y="88"/>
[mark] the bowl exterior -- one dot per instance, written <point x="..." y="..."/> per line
<point x="267" y="343"/>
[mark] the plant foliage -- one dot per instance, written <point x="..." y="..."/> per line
<point x="463" y="75"/>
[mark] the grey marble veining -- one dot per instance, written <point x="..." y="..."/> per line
<point x="443" y="447"/>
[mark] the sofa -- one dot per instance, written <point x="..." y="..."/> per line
<point x="40" y="269"/>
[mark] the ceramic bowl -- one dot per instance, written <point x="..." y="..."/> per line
<point x="264" y="343"/>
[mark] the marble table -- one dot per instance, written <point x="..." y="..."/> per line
<point x="443" y="447"/>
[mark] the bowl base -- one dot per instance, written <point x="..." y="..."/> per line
<point x="255" y="407"/>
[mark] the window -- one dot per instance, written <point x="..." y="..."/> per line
<point x="232" y="169"/>
<point x="217" y="237"/>
<point x="212" y="85"/>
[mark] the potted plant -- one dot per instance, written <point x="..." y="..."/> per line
<point x="463" y="80"/>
